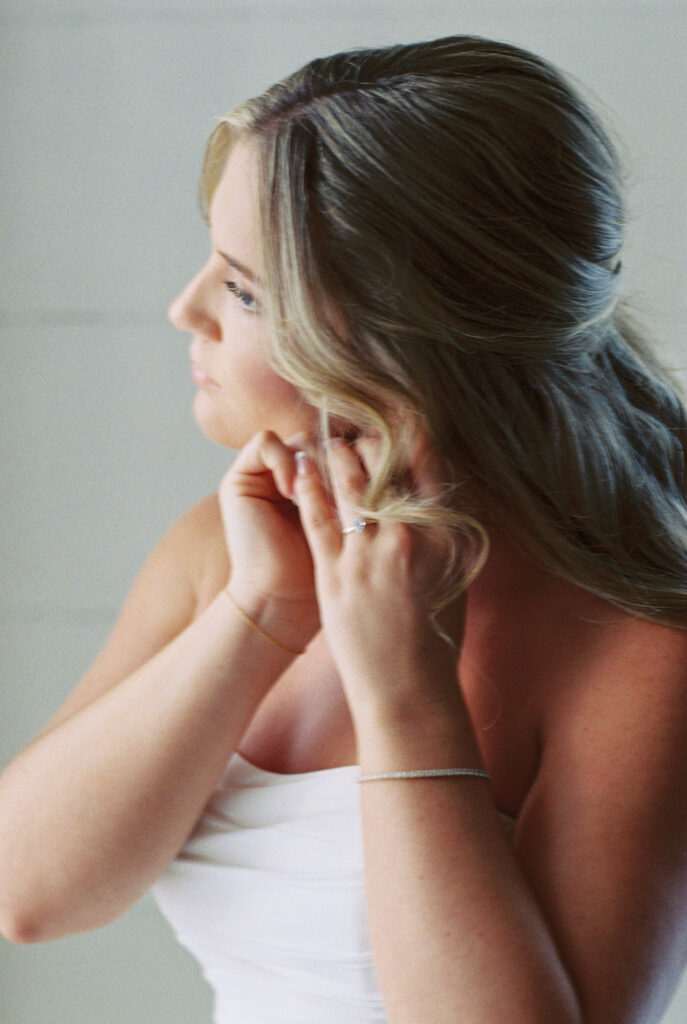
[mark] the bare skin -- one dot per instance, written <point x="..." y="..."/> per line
<point x="578" y="712"/>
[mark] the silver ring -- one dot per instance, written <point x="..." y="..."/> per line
<point x="357" y="526"/>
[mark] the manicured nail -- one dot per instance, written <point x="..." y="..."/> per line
<point x="304" y="464"/>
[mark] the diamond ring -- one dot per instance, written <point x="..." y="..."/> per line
<point x="357" y="526"/>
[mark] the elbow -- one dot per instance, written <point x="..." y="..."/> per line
<point x="24" y="929"/>
<point x="19" y="929"/>
<point x="26" y="923"/>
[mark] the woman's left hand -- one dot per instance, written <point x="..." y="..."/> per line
<point x="375" y="586"/>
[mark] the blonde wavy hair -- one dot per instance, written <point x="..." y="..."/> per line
<point x="441" y="233"/>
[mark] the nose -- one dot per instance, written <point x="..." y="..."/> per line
<point x="190" y="310"/>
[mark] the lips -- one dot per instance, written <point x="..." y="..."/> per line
<point x="202" y="379"/>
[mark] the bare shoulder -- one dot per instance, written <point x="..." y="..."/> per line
<point x="603" y="832"/>
<point x="585" y="738"/>
<point x="189" y="563"/>
<point x="629" y="685"/>
<point x="185" y="569"/>
<point x="182" y="574"/>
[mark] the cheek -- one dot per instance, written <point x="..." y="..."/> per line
<point x="279" y="390"/>
<point x="264" y="400"/>
<point x="280" y="406"/>
<point x="259" y="383"/>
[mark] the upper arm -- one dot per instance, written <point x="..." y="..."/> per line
<point x="165" y="598"/>
<point x="602" y="836"/>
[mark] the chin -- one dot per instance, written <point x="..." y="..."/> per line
<point x="231" y="429"/>
<point x="217" y="428"/>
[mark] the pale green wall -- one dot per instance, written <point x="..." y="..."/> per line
<point x="105" y="108"/>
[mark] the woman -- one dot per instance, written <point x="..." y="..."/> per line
<point x="451" y="553"/>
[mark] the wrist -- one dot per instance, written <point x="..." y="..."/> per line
<point x="417" y="677"/>
<point x="428" y="727"/>
<point x="287" y="624"/>
<point x="417" y="745"/>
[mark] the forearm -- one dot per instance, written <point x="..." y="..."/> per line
<point x="457" y="934"/>
<point x="93" y="810"/>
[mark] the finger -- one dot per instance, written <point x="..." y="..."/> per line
<point x="264" y="467"/>
<point x="428" y="471"/>
<point x="317" y="513"/>
<point x="348" y="476"/>
<point x="369" y="450"/>
<point x="304" y="441"/>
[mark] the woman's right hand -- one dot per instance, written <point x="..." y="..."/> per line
<point x="271" y="567"/>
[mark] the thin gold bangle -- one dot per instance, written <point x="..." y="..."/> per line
<point x="266" y="636"/>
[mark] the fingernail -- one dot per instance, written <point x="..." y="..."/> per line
<point x="304" y="464"/>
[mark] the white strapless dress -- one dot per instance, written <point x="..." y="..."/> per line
<point x="268" y="894"/>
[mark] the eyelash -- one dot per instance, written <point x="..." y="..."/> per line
<point x="248" y="302"/>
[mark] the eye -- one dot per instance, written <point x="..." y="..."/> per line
<point x="247" y="300"/>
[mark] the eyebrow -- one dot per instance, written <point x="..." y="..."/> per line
<point x="241" y="267"/>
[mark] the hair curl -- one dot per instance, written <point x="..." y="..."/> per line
<point x="441" y="233"/>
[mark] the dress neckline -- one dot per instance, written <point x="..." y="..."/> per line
<point x="342" y="771"/>
<point x="348" y="768"/>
